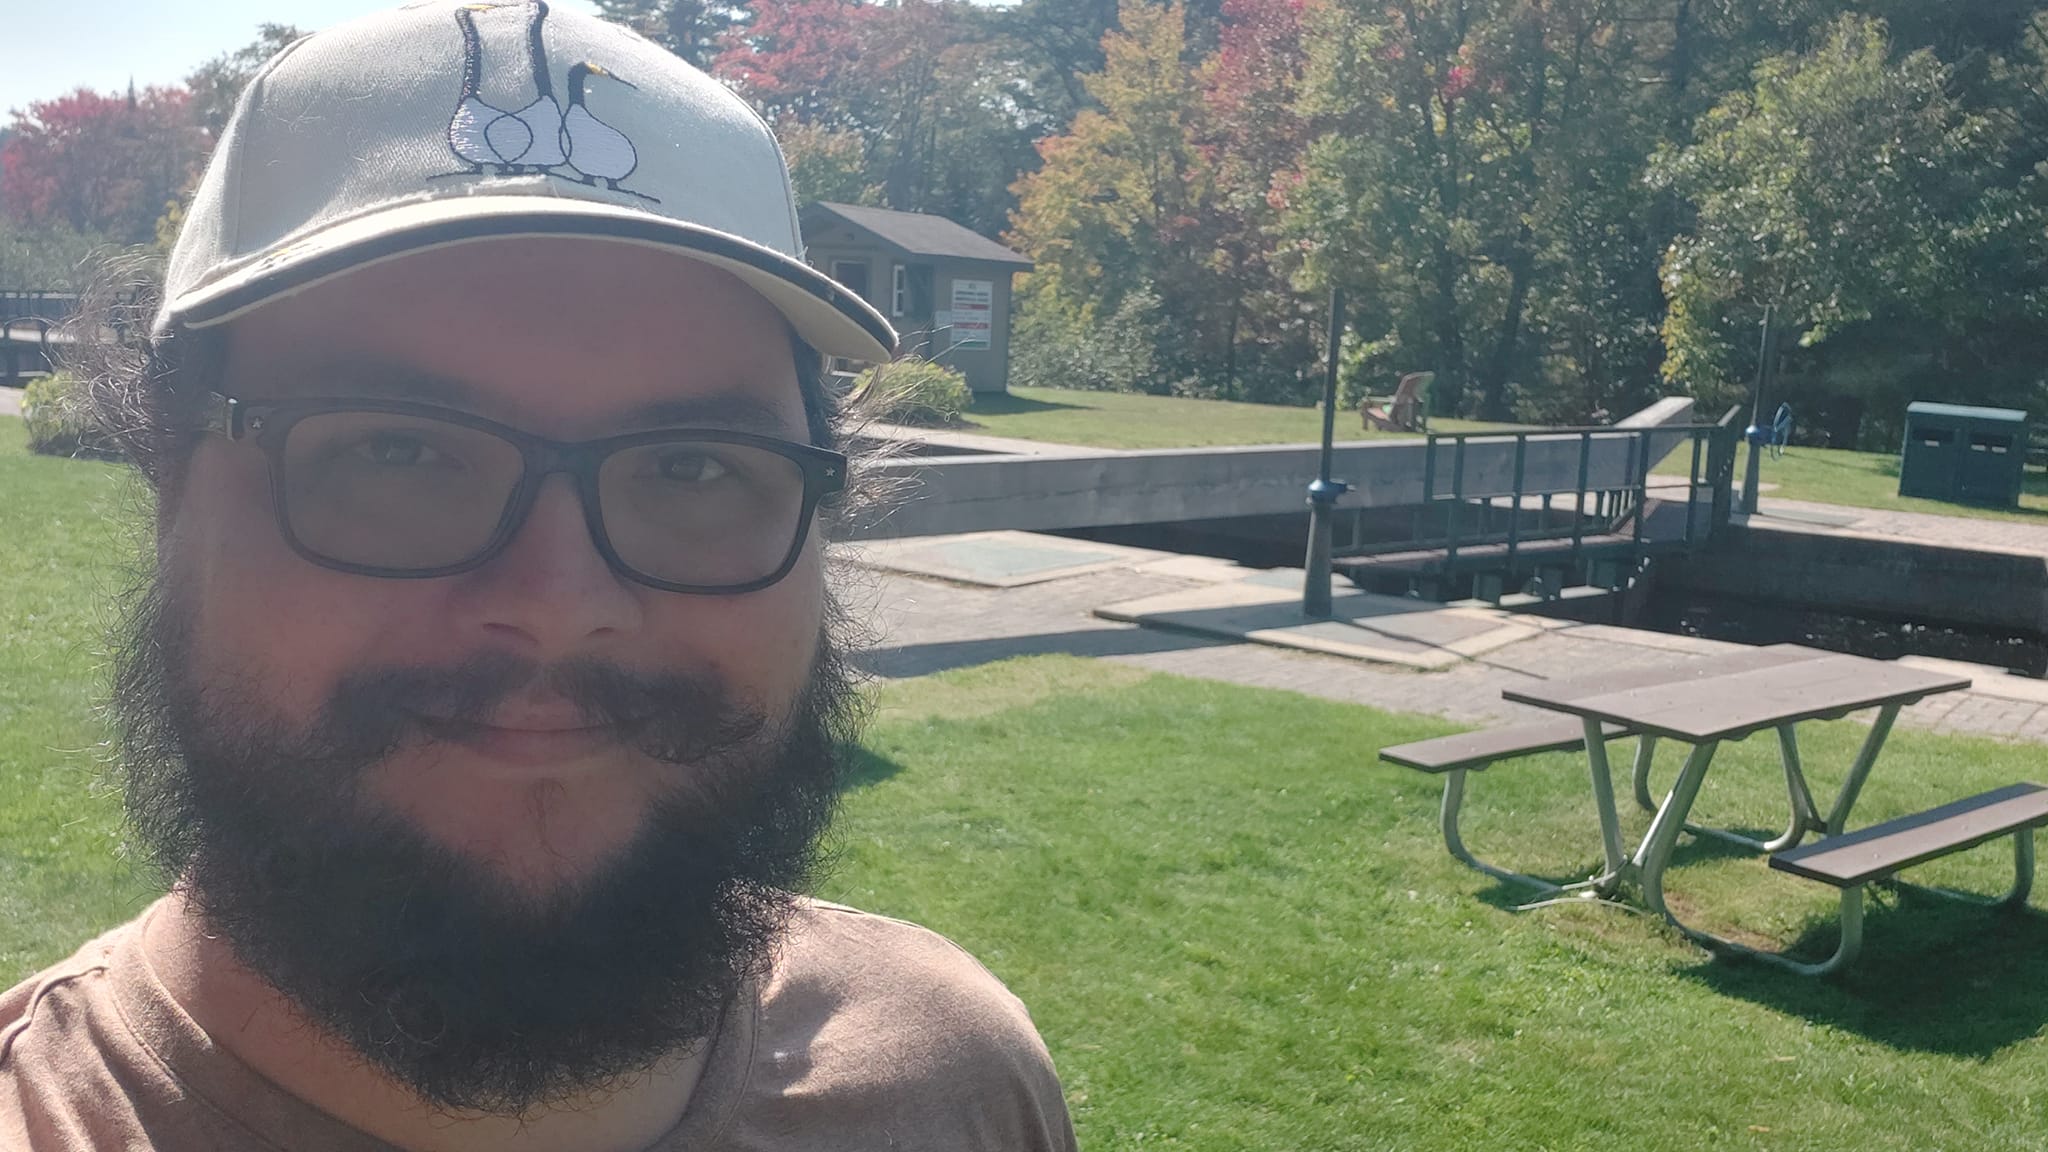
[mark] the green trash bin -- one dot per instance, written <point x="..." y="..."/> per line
<point x="1964" y="455"/>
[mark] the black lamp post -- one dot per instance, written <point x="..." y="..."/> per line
<point x="1323" y="494"/>
<point x="1755" y="432"/>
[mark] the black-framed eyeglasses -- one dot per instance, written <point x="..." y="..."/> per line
<point x="399" y="489"/>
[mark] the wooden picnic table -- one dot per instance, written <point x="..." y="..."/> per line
<point x="1728" y="698"/>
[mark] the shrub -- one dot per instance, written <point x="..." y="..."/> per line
<point x="54" y="408"/>
<point x="1053" y="349"/>
<point x="916" y="391"/>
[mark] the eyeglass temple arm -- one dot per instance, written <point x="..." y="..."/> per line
<point x="228" y="416"/>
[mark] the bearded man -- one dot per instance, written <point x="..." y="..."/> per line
<point x="485" y="703"/>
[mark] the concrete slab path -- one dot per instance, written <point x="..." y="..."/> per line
<point x="1953" y="531"/>
<point x="919" y="625"/>
<point x="1385" y="629"/>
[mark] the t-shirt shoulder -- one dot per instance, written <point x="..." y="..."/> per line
<point x="50" y="1023"/>
<point x="43" y="993"/>
<point x="880" y="1019"/>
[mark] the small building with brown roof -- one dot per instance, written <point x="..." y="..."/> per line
<point x="944" y="287"/>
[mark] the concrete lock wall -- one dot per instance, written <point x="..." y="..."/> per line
<point x="1871" y="575"/>
<point x="946" y="494"/>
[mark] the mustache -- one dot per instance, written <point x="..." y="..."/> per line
<point x="672" y="717"/>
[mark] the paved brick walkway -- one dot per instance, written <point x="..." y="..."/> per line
<point x="1955" y="531"/>
<point x="921" y="626"/>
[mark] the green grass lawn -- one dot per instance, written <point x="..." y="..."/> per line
<point x="63" y="560"/>
<point x="1871" y="480"/>
<point x="1133" y="420"/>
<point x="1238" y="931"/>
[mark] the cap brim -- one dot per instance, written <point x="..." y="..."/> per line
<point x="826" y="315"/>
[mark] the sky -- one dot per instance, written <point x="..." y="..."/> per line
<point x="51" y="47"/>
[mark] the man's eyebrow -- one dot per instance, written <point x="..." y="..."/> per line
<point x="737" y="411"/>
<point x="378" y="382"/>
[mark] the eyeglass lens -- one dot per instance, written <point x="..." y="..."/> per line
<point x="410" y="493"/>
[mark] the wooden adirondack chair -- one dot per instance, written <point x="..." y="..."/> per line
<point x="1407" y="410"/>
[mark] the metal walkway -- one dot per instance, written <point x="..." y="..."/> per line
<point x="1481" y="534"/>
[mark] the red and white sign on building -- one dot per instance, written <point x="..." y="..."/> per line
<point x="970" y="320"/>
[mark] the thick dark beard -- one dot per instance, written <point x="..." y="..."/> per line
<point x="471" y="993"/>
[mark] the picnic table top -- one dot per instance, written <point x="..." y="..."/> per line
<point x="1728" y="698"/>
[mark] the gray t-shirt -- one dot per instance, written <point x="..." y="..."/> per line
<point x="868" y="1033"/>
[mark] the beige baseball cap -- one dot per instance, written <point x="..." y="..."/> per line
<point x="442" y="123"/>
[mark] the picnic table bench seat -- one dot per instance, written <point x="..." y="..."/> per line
<point x="1475" y="750"/>
<point x="1854" y="859"/>
<point x="1453" y="756"/>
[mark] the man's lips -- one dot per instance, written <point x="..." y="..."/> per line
<point x="524" y="740"/>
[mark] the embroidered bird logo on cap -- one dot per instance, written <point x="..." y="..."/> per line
<point x="541" y="138"/>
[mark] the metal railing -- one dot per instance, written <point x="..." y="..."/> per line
<point x="36" y="303"/>
<point x="1609" y="502"/>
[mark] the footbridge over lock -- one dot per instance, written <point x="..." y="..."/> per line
<point x="1441" y="516"/>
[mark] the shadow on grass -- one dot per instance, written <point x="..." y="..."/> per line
<point x="1004" y="404"/>
<point x="1935" y="976"/>
<point x="1508" y="896"/>
<point x="864" y="769"/>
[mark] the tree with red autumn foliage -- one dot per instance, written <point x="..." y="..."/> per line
<point x="99" y="163"/>
<point x="914" y="90"/>
<point x="1252" y="138"/>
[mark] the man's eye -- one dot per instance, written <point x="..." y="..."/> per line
<point x="691" y="467"/>
<point x="396" y="451"/>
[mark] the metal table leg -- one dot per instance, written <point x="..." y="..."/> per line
<point x="1613" y="857"/>
<point x="1454" y="799"/>
<point x="1655" y="855"/>
<point x="1802" y="817"/>
<point x="1852" y="915"/>
<point x="2015" y="897"/>
<point x="1866" y="757"/>
<point x="1846" y="949"/>
<point x="1655" y="852"/>
<point x="1646" y="753"/>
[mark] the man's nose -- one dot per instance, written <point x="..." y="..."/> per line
<point x="550" y="592"/>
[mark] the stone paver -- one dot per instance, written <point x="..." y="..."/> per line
<point x="10" y="401"/>
<point x="918" y="626"/>
<point x="1000" y="559"/>
<point x="1363" y="626"/>
<point x="1954" y="531"/>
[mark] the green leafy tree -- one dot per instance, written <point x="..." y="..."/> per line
<point x="827" y="164"/>
<point x="1251" y="135"/>
<point x="218" y="83"/>
<point x="50" y="258"/>
<point x="1845" y="188"/>
<point x="1470" y="183"/>
<point x="1059" y="43"/>
<point x="1120" y="202"/>
<point x="696" y="30"/>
